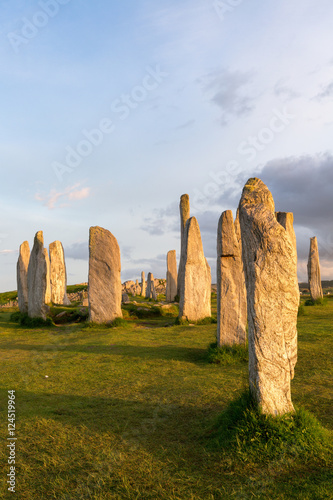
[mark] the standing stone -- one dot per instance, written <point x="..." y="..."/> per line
<point x="137" y="288"/>
<point x="195" y="285"/>
<point x="58" y="274"/>
<point x="150" y="290"/>
<point x="315" y="287"/>
<point x="184" y="209"/>
<point x="48" y="294"/>
<point x="37" y="279"/>
<point x="171" y="277"/>
<point x="286" y="219"/>
<point x="231" y="294"/>
<point x="243" y="304"/>
<point x="143" y="284"/>
<point x="104" y="285"/>
<point x="153" y="291"/>
<point x="22" y="277"/>
<point x="270" y="265"/>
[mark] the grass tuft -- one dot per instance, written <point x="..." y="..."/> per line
<point x="25" y="320"/>
<point x="258" y="437"/>
<point x="118" y="322"/>
<point x="210" y="320"/>
<point x="317" y="302"/>
<point x="182" y="321"/>
<point x="228" y="354"/>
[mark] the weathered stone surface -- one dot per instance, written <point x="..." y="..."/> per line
<point x="153" y="291"/>
<point x="314" y="278"/>
<point x="22" y="277"/>
<point x="171" y="276"/>
<point x="58" y="274"/>
<point x="48" y="278"/>
<point x="150" y="290"/>
<point x="37" y="279"/>
<point x="137" y="288"/>
<point x="184" y="209"/>
<point x="143" y="284"/>
<point x="286" y="219"/>
<point x="270" y="266"/>
<point x="104" y="285"/>
<point x="195" y="285"/>
<point x="231" y="293"/>
<point x="125" y="298"/>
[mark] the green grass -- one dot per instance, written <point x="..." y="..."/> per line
<point x="76" y="288"/>
<point x="138" y="412"/>
<point x="254" y="436"/>
<point x="228" y="354"/>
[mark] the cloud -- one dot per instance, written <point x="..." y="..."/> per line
<point x="326" y="92"/>
<point x="228" y="90"/>
<point x="303" y="185"/>
<point x="79" y="195"/>
<point x="126" y="251"/>
<point x="162" y="221"/>
<point x="155" y="265"/>
<point x="77" y="251"/>
<point x="80" y="251"/>
<point x="71" y="193"/>
<point x="8" y="252"/>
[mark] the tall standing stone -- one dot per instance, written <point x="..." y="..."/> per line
<point x="143" y="284"/>
<point x="104" y="285"/>
<point x="315" y="287"/>
<point x="48" y="294"/>
<point x="171" y="276"/>
<point x="270" y="265"/>
<point x="184" y="209"/>
<point x="231" y="294"/>
<point x="22" y="277"/>
<point x="58" y="274"/>
<point x="195" y="284"/>
<point x="37" y="279"/>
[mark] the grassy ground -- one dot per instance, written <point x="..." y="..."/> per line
<point x="128" y="413"/>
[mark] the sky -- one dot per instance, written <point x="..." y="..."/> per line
<point x="110" y="111"/>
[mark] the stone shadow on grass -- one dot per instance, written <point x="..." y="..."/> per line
<point x="167" y="352"/>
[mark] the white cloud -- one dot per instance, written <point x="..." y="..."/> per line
<point x="6" y="252"/>
<point x="71" y="193"/>
<point x="79" y="195"/>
